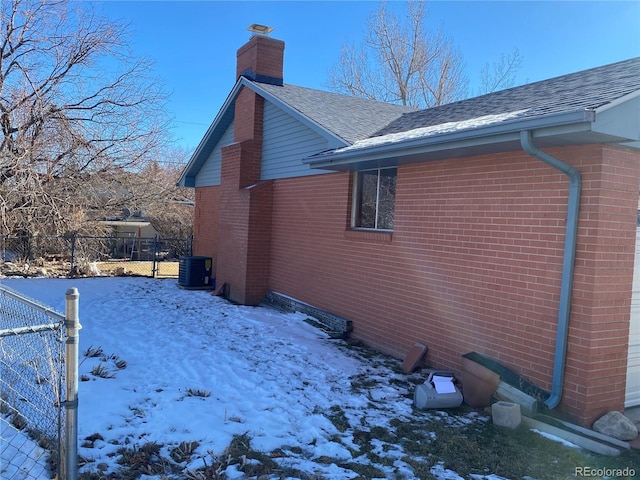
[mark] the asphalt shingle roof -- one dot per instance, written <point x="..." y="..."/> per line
<point x="350" y="118"/>
<point x="588" y="89"/>
<point x="360" y="120"/>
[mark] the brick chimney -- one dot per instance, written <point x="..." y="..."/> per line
<point x="244" y="229"/>
<point x="261" y="59"/>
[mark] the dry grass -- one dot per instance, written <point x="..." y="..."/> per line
<point x="164" y="269"/>
<point x="197" y="392"/>
<point x="475" y="449"/>
<point x="461" y="440"/>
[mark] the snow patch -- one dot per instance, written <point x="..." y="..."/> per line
<point x="424" y="132"/>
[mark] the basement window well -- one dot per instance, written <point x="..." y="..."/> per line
<point x="374" y="199"/>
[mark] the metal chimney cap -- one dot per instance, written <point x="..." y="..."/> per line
<point x="260" y="29"/>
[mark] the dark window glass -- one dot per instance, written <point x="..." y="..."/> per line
<point x="386" y="198"/>
<point x="375" y="201"/>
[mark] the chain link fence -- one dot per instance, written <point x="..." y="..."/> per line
<point x="93" y="255"/>
<point x="35" y="384"/>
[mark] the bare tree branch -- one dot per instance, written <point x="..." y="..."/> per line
<point x="79" y="115"/>
<point x="402" y="60"/>
<point x="405" y="60"/>
<point x="500" y="74"/>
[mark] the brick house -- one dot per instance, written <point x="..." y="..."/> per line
<point x="503" y="224"/>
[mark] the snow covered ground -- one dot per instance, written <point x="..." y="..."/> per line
<point x="186" y="366"/>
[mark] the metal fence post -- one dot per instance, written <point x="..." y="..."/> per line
<point x="154" y="265"/>
<point x="72" y="322"/>
<point x="73" y="255"/>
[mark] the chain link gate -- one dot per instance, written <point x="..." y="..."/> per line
<point x="38" y="377"/>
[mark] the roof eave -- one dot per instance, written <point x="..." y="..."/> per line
<point x="225" y="118"/>
<point x="333" y="140"/>
<point x="480" y="140"/>
<point x="219" y="125"/>
<point x="621" y="117"/>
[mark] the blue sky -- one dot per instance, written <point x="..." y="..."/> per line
<point x="194" y="43"/>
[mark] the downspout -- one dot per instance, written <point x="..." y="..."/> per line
<point x="570" y="242"/>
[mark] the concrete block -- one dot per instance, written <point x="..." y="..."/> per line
<point x="528" y="404"/>
<point x="506" y="414"/>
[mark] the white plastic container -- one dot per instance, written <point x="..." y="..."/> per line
<point x="426" y="396"/>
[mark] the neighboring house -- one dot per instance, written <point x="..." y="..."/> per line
<point x="140" y="228"/>
<point x="131" y="236"/>
<point x="503" y="224"/>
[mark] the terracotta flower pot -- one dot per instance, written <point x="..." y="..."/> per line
<point x="478" y="383"/>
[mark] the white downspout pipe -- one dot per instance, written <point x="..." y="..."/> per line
<point x="570" y="242"/>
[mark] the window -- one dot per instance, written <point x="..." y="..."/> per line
<point x="374" y="199"/>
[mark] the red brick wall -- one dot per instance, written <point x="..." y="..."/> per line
<point x="262" y="55"/>
<point x="474" y="264"/>
<point x="248" y="126"/>
<point x="244" y="243"/>
<point x="597" y="356"/>
<point x="243" y="225"/>
<point x="233" y="225"/>
<point x="206" y="218"/>
<point x="245" y="208"/>
<point x="259" y="246"/>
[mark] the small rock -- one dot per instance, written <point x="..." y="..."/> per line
<point x="616" y="425"/>
<point x="94" y="271"/>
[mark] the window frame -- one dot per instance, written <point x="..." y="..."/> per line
<point x="355" y="203"/>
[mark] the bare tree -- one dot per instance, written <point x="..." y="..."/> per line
<point x="169" y="207"/>
<point x="500" y="74"/>
<point x="78" y="115"/>
<point x="402" y="61"/>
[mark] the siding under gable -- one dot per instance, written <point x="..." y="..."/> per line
<point x="209" y="174"/>
<point x="286" y="141"/>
